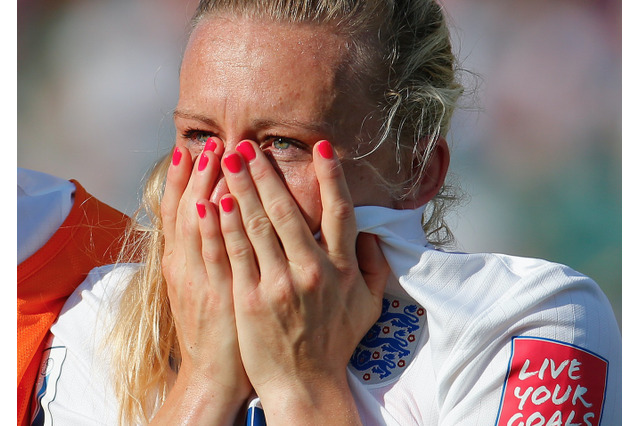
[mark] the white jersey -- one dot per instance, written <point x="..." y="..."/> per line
<point x="463" y="339"/>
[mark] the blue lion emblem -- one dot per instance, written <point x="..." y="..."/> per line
<point x="388" y="342"/>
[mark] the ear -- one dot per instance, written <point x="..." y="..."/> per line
<point x="432" y="179"/>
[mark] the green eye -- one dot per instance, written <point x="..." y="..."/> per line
<point x="281" y="143"/>
<point x="202" y="137"/>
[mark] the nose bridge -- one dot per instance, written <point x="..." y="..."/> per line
<point x="235" y="121"/>
<point x="230" y="142"/>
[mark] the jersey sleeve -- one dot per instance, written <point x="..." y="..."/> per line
<point x="546" y="352"/>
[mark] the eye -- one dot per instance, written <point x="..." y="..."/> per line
<point x="196" y="137"/>
<point x="281" y="148"/>
<point x="281" y="143"/>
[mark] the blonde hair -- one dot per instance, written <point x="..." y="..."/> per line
<point x="401" y="52"/>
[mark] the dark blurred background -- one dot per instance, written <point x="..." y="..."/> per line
<point x="536" y="146"/>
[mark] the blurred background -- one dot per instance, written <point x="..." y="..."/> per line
<point x="536" y="146"/>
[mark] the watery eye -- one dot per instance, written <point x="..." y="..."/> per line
<point x="281" y="143"/>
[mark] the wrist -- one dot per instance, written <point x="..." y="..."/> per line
<point x="317" y="401"/>
<point x="195" y="398"/>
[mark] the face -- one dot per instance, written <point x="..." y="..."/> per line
<point x="285" y="87"/>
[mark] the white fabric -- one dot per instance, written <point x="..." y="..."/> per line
<point x="73" y="386"/>
<point x="475" y="304"/>
<point x="44" y="201"/>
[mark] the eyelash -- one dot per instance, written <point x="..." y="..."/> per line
<point x="193" y="135"/>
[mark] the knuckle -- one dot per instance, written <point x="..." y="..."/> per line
<point x="284" y="295"/>
<point x="312" y="282"/>
<point x="259" y="171"/>
<point x="283" y="210"/>
<point x="209" y="232"/>
<point x="341" y="210"/>
<point x="212" y="254"/>
<point x="239" y="250"/>
<point x="253" y="302"/>
<point x="258" y="225"/>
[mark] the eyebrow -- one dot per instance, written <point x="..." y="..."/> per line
<point x="316" y="127"/>
<point x="206" y="120"/>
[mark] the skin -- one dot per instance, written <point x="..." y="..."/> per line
<point x="259" y="304"/>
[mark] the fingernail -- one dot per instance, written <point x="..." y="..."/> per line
<point x="201" y="210"/>
<point x="204" y="160"/>
<point x="177" y="155"/>
<point x="210" y="145"/>
<point x="226" y="204"/>
<point x="233" y="163"/>
<point x="325" y="150"/>
<point x="246" y="150"/>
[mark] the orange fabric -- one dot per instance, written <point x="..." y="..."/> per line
<point x="90" y="236"/>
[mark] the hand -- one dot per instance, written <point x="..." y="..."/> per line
<point x="211" y="384"/>
<point x="301" y="306"/>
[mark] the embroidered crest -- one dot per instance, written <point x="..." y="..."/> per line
<point x="552" y="383"/>
<point x="388" y="347"/>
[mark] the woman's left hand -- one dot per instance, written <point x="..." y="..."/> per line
<point x="301" y="305"/>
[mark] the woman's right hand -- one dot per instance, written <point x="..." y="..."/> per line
<point x="211" y="385"/>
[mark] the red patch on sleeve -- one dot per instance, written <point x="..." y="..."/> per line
<point x="551" y="383"/>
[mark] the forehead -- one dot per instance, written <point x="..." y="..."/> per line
<point x="278" y="66"/>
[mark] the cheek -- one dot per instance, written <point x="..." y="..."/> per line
<point x="366" y="186"/>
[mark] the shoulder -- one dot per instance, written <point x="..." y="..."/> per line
<point x="500" y="295"/>
<point x="103" y="283"/>
<point x="505" y="332"/>
<point x="510" y="282"/>
<point x="94" y="303"/>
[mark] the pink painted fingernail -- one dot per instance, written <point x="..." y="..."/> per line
<point x="233" y="162"/>
<point x="177" y="155"/>
<point x="246" y="150"/>
<point x="226" y="204"/>
<point x="204" y="160"/>
<point x="325" y="150"/>
<point x="201" y="210"/>
<point x="210" y="145"/>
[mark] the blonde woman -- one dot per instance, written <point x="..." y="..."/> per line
<point x="261" y="284"/>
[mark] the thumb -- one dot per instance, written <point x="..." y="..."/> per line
<point x="372" y="263"/>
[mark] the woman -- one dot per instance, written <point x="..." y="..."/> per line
<point x="259" y="278"/>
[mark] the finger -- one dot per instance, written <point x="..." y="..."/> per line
<point x="283" y="212"/>
<point x="372" y="263"/>
<point x="177" y="179"/>
<point x="200" y="185"/>
<point x="205" y="172"/>
<point x="257" y="225"/>
<point x="338" y="223"/>
<point x="214" y="254"/>
<point x="244" y="268"/>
